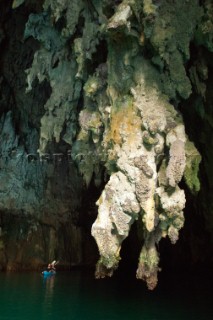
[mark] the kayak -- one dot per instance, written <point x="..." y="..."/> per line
<point x="48" y="273"/>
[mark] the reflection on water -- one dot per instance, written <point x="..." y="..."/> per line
<point x="77" y="296"/>
<point x="48" y="283"/>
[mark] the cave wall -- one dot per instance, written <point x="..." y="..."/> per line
<point x="102" y="101"/>
<point x="40" y="196"/>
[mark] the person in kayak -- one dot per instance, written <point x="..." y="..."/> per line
<point x="51" y="266"/>
<point x="50" y="269"/>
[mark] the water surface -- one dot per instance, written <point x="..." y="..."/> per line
<point x="77" y="296"/>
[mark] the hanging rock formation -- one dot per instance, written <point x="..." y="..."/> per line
<point x="116" y="79"/>
<point x="127" y="123"/>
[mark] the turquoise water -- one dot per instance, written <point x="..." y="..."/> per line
<point x="77" y="296"/>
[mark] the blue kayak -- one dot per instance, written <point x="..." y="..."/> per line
<point x="48" y="273"/>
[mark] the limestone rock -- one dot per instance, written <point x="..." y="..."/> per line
<point x="114" y="75"/>
<point x="118" y="208"/>
<point x="177" y="163"/>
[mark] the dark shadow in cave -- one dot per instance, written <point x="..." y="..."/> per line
<point x="197" y="113"/>
<point x="130" y="251"/>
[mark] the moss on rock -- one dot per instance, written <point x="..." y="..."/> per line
<point x="192" y="167"/>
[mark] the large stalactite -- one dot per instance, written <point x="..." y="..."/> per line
<point x="117" y="74"/>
